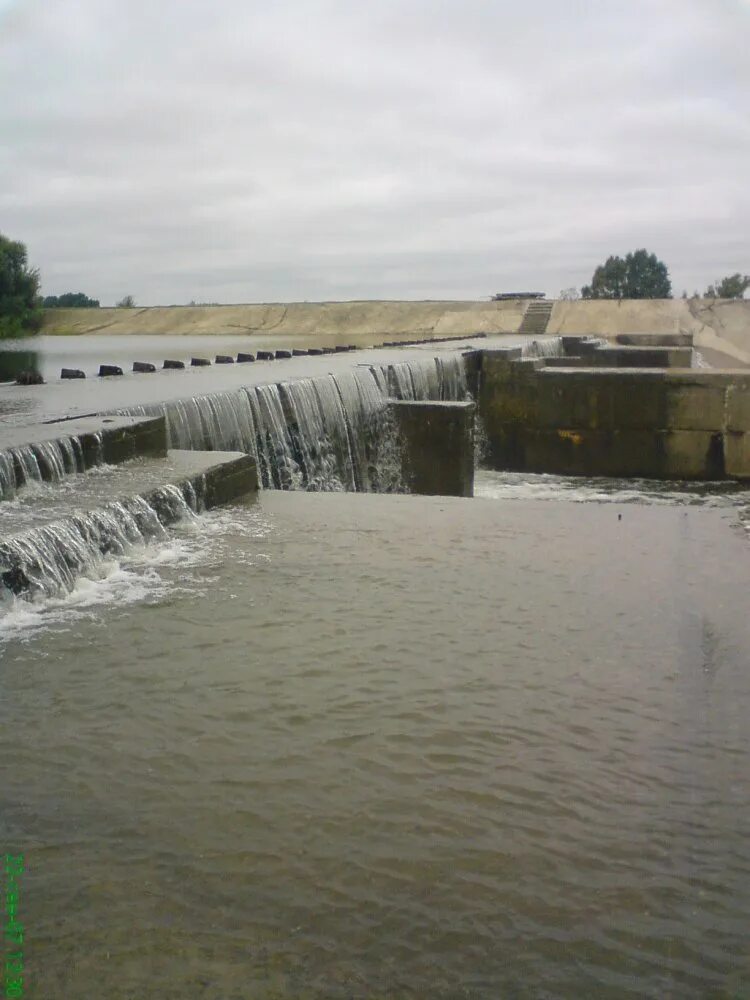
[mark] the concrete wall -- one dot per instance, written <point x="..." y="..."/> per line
<point x="437" y="447"/>
<point x="680" y="424"/>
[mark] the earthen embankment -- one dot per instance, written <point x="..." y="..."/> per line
<point x="721" y="326"/>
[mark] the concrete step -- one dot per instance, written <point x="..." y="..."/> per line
<point x="536" y="318"/>
<point x="54" y="536"/>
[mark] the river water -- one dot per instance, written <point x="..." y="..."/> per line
<point x="366" y="746"/>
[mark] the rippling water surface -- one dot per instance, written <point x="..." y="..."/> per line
<point x="358" y="746"/>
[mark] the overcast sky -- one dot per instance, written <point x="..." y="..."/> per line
<point x="240" y="150"/>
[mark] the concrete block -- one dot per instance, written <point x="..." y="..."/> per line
<point x="143" y="366"/>
<point x="437" y="447"/>
<point x="692" y="454"/>
<point x="105" y="371"/>
<point x="505" y="447"/>
<point x="200" y="362"/>
<point x="738" y="406"/>
<point x="72" y="373"/>
<point x="655" y="339"/>
<point x="579" y="346"/>
<point x="244" y="358"/>
<point x="230" y="481"/>
<point x="698" y="406"/>
<point x="583" y="452"/>
<point x="173" y="364"/>
<point x="737" y="454"/>
<point x="224" y="359"/>
<point x="642" y="357"/>
<point x="123" y="441"/>
<point x="265" y="355"/>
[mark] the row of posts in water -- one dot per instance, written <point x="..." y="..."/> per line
<point x="146" y="367"/>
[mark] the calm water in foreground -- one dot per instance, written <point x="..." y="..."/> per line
<point x="333" y="746"/>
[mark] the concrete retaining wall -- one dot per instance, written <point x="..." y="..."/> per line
<point x="437" y="447"/>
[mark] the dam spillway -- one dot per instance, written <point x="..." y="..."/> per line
<point x="332" y="432"/>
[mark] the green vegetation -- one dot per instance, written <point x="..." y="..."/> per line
<point x="20" y="309"/>
<point x="732" y="287"/>
<point x="640" y="275"/>
<point x="70" y="300"/>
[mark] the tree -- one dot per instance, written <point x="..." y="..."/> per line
<point x="569" y="295"/>
<point x="70" y="300"/>
<point x="20" y="312"/>
<point x="732" y="287"/>
<point x="126" y="302"/>
<point x="640" y="275"/>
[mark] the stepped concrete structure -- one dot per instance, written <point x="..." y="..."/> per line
<point x="574" y="416"/>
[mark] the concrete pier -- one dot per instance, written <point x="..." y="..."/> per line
<point x="437" y="451"/>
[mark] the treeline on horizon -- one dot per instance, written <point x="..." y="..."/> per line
<point x="638" y="275"/>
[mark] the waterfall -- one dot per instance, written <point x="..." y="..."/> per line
<point x="332" y="432"/>
<point x="550" y="347"/>
<point x="47" y="561"/>
<point x="275" y="452"/>
<point x="439" y="378"/>
<point x="47" y="461"/>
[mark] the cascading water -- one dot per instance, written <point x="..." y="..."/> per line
<point x="549" y="347"/>
<point x="336" y="432"/>
<point x="47" y="461"/>
<point x="329" y="433"/>
<point x="440" y="378"/>
<point x="47" y="561"/>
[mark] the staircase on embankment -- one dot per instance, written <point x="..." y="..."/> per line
<point x="536" y="318"/>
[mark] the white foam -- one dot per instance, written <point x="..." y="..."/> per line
<point x="524" y="486"/>
<point x="147" y="573"/>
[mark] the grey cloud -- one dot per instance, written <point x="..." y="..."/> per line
<point x="323" y="149"/>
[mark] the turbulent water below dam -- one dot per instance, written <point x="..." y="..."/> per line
<point x="348" y="745"/>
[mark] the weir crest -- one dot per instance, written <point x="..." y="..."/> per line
<point x="328" y="433"/>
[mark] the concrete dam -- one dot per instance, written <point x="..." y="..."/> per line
<point x="570" y="405"/>
<point x="364" y="428"/>
<point x="413" y="670"/>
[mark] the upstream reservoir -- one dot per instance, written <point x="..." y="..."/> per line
<point x="365" y="745"/>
